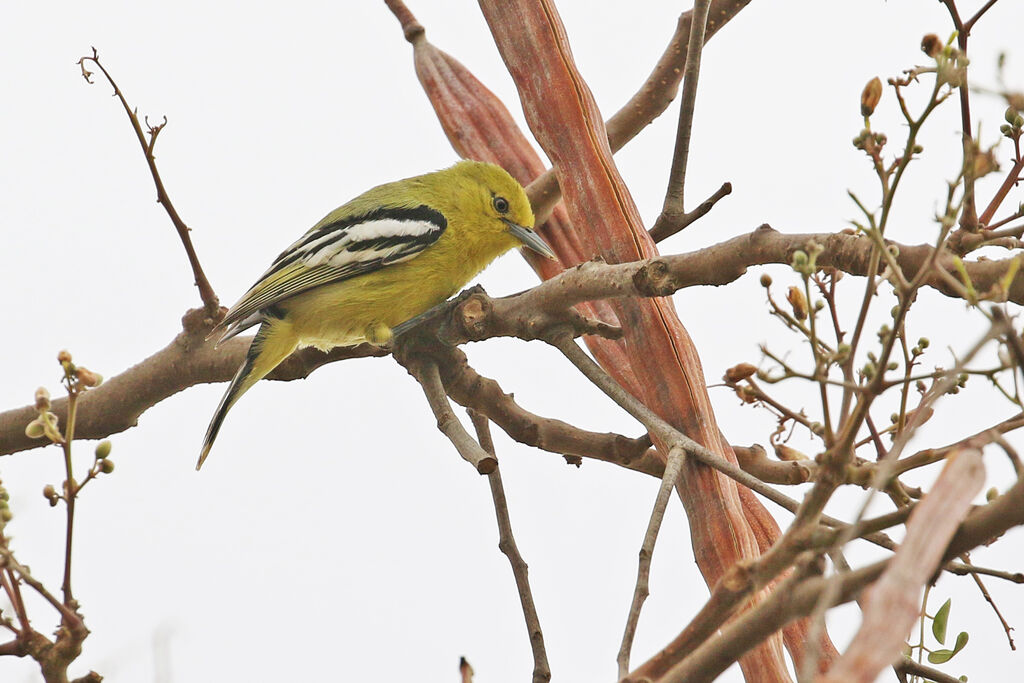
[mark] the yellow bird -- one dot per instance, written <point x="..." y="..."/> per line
<point x="388" y="255"/>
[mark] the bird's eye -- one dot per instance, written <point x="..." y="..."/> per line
<point x="500" y="204"/>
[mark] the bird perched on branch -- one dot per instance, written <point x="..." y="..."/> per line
<point x="387" y="256"/>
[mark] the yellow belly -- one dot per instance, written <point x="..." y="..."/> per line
<point x="365" y="308"/>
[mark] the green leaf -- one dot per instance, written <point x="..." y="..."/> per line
<point x="940" y="621"/>
<point x="940" y="656"/>
<point x="961" y="640"/>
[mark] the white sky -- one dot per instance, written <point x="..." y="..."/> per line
<point x="335" y="534"/>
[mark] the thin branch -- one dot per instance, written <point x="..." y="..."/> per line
<point x="206" y="293"/>
<point x="1012" y="178"/>
<point x="70" y="493"/>
<point x="507" y="544"/>
<point x="909" y="666"/>
<point x="427" y="374"/>
<point x="988" y="598"/>
<point x="969" y="24"/>
<point x="465" y="671"/>
<point x="649" y="101"/>
<point x="69" y="616"/>
<point x="674" y="204"/>
<point x="663" y="229"/>
<point x="673" y="467"/>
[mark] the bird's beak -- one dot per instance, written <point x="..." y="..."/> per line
<point x="530" y="239"/>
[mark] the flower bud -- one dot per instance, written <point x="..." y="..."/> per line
<point x="64" y="356"/>
<point x="50" y="494"/>
<point x="88" y="377"/>
<point x="739" y="372"/>
<point x="931" y="45"/>
<point x="106" y="466"/>
<point x="797" y="300"/>
<point x="42" y="399"/>
<point x="787" y="454"/>
<point x="766" y="280"/>
<point x="35" y="429"/>
<point x="103" y="449"/>
<point x="985" y="163"/>
<point x="992" y="494"/>
<point x="870" y="96"/>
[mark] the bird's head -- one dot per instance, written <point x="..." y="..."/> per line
<point x="502" y="200"/>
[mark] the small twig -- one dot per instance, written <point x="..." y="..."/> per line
<point x="674" y="205"/>
<point x="70" y="617"/>
<point x="10" y="584"/>
<point x="1012" y="178"/>
<point x="640" y="593"/>
<point x="969" y="24"/>
<point x="430" y="379"/>
<point x="1011" y="453"/>
<point x="507" y="544"/>
<point x="909" y="666"/>
<point x="988" y="598"/>
<point x="465" y="671"/>
<point x="209" y="297"/>
<point x="969" y="216"/>
<point x="663" y="229"/>
<point x="70" y="491"/>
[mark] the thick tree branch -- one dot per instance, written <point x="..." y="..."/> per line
<point x="795" y="598"/>
<point x="117" y="404"/>
<point x="893" y="603"/>
<point x="188" y="359"/>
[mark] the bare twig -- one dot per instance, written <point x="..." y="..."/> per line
<point x="988" y="598"/>
<point x="507" y="544"/>
<point x="209" y="298"/>
<point x="427" y="374"/>
<point x="70" y="618"/>
<point x="70" y="492"/>
<point x="674" y="204"/>
<point x="1012" y="178"/>
<point x="663" y="229"/>
<point x="641" y="591"/>
<point x="908" y="666"/>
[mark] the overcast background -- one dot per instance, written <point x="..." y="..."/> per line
<point x="335" y="534"/>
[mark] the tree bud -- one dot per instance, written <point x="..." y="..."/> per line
<point x="35" y="429"/>
<point x="870" y="96"/>
<point x="88" y="377"/>
<point x="931" y="45"/>
<point x="797" y="300"/>
<point x="739" y="372"/>
<point x="42" y="399"/>
<point x="103" y="449"/>
<point x="787" y="454"/>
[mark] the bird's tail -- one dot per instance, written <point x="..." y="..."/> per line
<point x="272" y="344"/>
